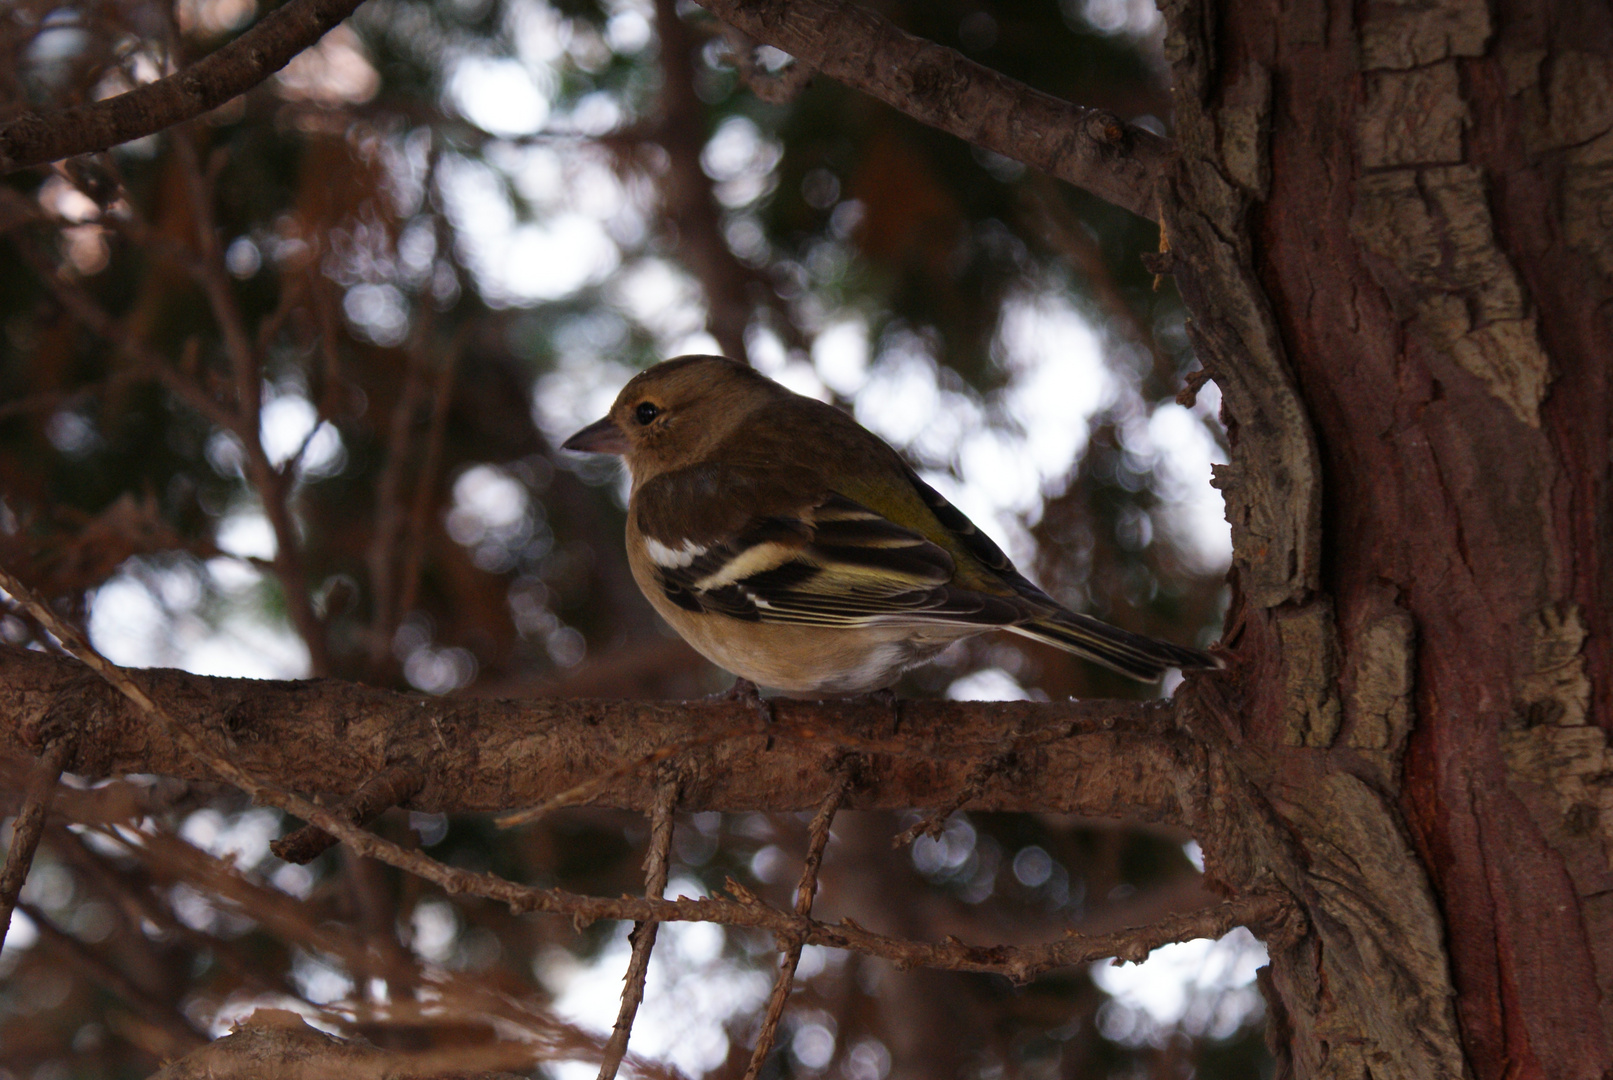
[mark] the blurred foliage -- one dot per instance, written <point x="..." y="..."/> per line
<point x="432" y="244"/>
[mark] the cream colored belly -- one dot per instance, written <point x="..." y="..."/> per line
<point x="819" y="659"/>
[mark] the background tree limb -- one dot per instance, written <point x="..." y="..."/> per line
<point x="33" y="139"/>
<point x="1089" y="148"/>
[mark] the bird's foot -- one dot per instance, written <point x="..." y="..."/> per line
<point x="885" y="698"/>
<point x="747" y="691"/>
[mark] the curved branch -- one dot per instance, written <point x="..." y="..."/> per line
<point x="33" y="139"/>
<point x="1116" y="759"/>
<point x="1089" y="148"/>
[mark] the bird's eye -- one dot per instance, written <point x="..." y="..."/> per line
<point x="646" y="412"/>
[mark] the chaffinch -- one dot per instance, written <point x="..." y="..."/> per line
<point x="793" y="547"/>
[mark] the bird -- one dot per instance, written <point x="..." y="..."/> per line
<point x="799" y="551"/>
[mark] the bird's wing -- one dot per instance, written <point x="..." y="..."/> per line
<point x="719" y="546"/>
<point x="994" y="566"/>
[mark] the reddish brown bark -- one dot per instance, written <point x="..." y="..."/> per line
<point x="1419" y="231"/>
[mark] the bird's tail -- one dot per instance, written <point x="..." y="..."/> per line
<point x="1130" y="654"/>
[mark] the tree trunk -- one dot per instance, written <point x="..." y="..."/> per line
<point x="1393" y="224"/>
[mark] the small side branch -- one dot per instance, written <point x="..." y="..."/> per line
<point x="425" y="486"/>
<point x="29" y="826"/>
<point x="941" y="87"/>
<point x="388" y="788"/>
<point x="817" y="841"/>
<point x="933" y="824"/>
<point x="656" y="860"/>
<point x="33" y="139"/>
<point x="389" y="516"/>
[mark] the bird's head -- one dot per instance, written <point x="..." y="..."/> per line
<point x="672" y="415"/>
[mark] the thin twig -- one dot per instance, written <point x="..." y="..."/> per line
<point x="246" y="370"/>
<point x="817" y="841"/>
<point x="389" y="511"/>
<point x="456" y="997"/>
<point x="28" y="825"/>
<point x="643" y="935"/>
<point x="933" y="823"/>
<point x="327" y="380"/>
<point x="426" y="481"/>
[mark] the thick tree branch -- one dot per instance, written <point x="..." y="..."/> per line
<point x="1117" y="759"/>
<point x="1089" y="148"/>
<point x="744" y="909"/>
<point x="33" y="139"/>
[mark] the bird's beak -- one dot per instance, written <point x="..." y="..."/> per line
<point x="600" y="437"/>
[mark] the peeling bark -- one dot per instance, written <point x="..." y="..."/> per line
<point x="1273" y="484"/>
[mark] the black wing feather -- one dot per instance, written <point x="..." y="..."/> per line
<point x="836" y="564"/>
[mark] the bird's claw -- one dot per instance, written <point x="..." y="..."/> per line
<point x="886" y="698"/>
<point x="747" y="691"/>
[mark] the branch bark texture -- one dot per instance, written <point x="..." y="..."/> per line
<point x="1101" y="758"/>
<point x="1089" y="148"/>
<point x="34" y="138"/>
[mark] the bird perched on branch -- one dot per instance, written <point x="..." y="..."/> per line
<point x="793" y="547"/>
